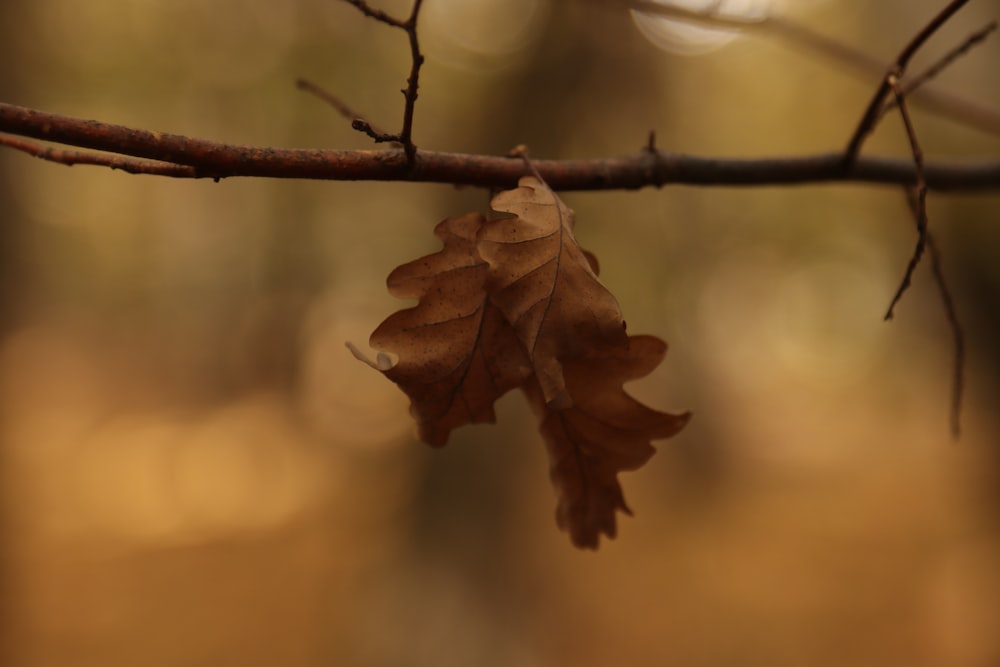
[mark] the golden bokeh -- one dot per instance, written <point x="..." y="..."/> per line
<point x="195" y="470"/>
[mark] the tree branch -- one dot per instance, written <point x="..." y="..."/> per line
<point x="874" y="110"/>
<point x="914" y="83"/>
<point x="338" y="104"/>
<point x="149" y="152"/>
<point x="70" y="158"/>
<point x="957" y="335"/>
<point x="200" y="158"/>
<point x="409" y="26"/>
<point x="918" y="200"/>
<point x="920" y="195"/>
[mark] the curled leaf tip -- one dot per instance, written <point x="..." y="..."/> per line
<point x="383" y="362"/>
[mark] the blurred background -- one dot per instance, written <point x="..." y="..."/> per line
<point x="195" y="471"/>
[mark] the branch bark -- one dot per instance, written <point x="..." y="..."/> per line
<point x="201" y="158"/>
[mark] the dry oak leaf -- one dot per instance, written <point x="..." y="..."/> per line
<point x="606" y="431"/>
<point x="457" y="354"/>
<point x="515" y="301"/>
<point x="546" y="285"/>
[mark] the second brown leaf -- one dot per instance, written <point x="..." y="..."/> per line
<point x="544" y="283"/>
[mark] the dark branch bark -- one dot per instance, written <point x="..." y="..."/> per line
<point x="210" y="159"/>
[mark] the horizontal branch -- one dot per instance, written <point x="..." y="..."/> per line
<point x="209" y="159"/>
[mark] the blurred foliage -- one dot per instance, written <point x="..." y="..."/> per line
<point x="195" y="471"/>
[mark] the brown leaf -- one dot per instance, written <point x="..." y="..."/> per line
<point x="605" y="431"/>
<point x="516" y="302"/>
<point x="457" y="354"/>
<point x="545" y="284"/>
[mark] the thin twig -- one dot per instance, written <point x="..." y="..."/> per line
<point x="874" y="109"/>
<point x="521" y="151"/>
<point x="377" y="14"/>
<point x="971" y="41"/>
<point x="913" y="84"/>
<point x="921" y="196"/>
<point x="412" y="82"/>
<point x="918" y="198"/>
<point x="409" y="26"/>
<point x="338" y="104"/>
<point x="212" y="159"/>
<point x="358" y="122"/>
<point x="954" y="324"/>
<point x="126" y="164"/>
<point x="918" y="205"/>
<point x="958" y="338"/>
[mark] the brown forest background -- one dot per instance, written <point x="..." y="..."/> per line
<point x="196" y="471"/>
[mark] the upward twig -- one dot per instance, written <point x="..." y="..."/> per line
<point x="874" y="110"/>
<point x="911" y="85"/>
<point x="409" y="26"/>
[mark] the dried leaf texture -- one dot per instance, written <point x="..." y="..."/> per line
<point x="605" y="432"/>
<point x="546" y="285"/>
<point x="457" y="354"/>
<point x="515" y="302"/>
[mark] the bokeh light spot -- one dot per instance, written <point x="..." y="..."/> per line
<point x="484" y="35"/>
<point x="687" y="38"/>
